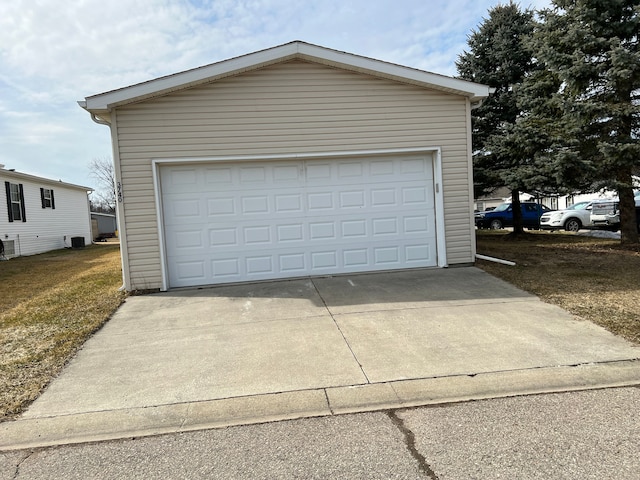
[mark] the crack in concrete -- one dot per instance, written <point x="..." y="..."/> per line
<point x="19" y="464"/>
<point x="410" y="442"/>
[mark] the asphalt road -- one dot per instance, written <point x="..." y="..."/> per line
<point x="579" y="435"/>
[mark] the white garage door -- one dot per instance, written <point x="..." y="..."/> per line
<point x="231" y="222"/>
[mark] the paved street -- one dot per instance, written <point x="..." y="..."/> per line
<point x="579" y="435"/>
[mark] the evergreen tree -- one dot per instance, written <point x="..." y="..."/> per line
<point x="498" y="56"/>
<point x="592" y="48"/>
<point x="543" y="145"/>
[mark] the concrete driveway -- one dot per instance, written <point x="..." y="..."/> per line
<point x="211" y="357"/>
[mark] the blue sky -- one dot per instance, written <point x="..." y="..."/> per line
<point x="54" y="53"/>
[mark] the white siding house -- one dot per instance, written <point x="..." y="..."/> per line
<point x="292" y="161"/>
<point x="40" y="214"/>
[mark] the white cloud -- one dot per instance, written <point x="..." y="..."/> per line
<point x="53" y="53"/>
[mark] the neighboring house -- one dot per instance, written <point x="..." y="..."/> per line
<point x="42" y="214"/>
<point x="492" y="200"/>
<point x="566" y="201"/>
<point x="105" y="225"/>
<point x="558" y="202"/>
<point x="292" y="161"/>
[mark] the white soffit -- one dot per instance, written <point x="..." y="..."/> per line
<point x="104" y="102"/>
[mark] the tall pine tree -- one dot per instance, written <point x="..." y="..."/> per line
<point x="498" y="56"/>
<point x="592" y="47"/>
<point x="544" y="145"/>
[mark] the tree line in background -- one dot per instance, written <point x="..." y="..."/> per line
<point x="103" y="198"/>
<point x="565" y="113"/>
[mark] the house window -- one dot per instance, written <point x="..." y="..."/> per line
<point x="15" y="202"/>
<point x="46" y="197"/>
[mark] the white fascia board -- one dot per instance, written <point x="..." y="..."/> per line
<point x="46" y="181"/>
<point x="104" y="102"/>
<point x="396" y="72"/>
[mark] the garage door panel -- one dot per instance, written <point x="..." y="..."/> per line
<point x="384" y="197"/>
<point x="236" y="266"/>
<point x="190" y="271"/>
<point x="185" y="211"/>
<point x="226" y="268"/>
<point x="223" y="237"/>
<point x="221" y="207"/>
<point x="296" y="231"/>
<point x="221" y="175"/>
<point x="254" y="204"/>
<point x="185" y="208"/>
<point x="287" y="203"/>
<point x="416" y="195"/>
<point x="183" y="176"/>
<point x="412" y="166"/>
<point x="263" y="220"/>
<point x="416" y="225"/>
<point x="188" y="239"/>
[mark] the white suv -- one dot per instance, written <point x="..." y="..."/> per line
<point x="572" y="219"/>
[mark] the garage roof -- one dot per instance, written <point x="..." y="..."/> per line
<point x="297" y="50"/>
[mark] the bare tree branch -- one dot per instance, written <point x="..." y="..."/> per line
<point x="102" y="171"/>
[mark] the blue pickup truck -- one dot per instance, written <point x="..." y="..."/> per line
<point x="502" y="216"/>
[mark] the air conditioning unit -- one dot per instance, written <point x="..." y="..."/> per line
<point x="77" y="242"/>
<point x="9" y="248"/>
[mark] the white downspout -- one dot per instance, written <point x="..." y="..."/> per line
<point x="99" y="120"/>
<point x="495" y="260"/>
<point x="124" y="254"/>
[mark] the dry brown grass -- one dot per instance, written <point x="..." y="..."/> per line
<point x="49" y="305"/>
<point x="596" y="279"/>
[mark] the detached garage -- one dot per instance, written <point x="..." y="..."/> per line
<point x="289" y="162"/>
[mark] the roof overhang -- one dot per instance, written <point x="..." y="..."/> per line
<point x="46" y="181"/>
<point x="101" y="104"/>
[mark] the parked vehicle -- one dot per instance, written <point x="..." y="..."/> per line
<point x="502" y="216"/>
<point x="571" y="219"/>
<point x="605" y="215"/>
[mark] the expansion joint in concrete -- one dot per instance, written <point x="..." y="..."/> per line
<point x="326" y="396"/>
<point x="341" y="332"/>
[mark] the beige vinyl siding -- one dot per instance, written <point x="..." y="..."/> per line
<point x="290" y="108"/>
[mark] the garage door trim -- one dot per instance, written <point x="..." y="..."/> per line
<point x="437" y="178"/>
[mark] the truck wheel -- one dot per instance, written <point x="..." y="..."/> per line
<point x="495" y="224"/>
<point x="572" y="225"/>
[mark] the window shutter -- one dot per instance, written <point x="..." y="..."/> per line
<point x="42" y="197"/>
<point x="53" y="202"/>
<point x="8" y="189"/>
<point x="24" y="216"/>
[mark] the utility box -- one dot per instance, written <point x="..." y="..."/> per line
<point x="77" y="242"/>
